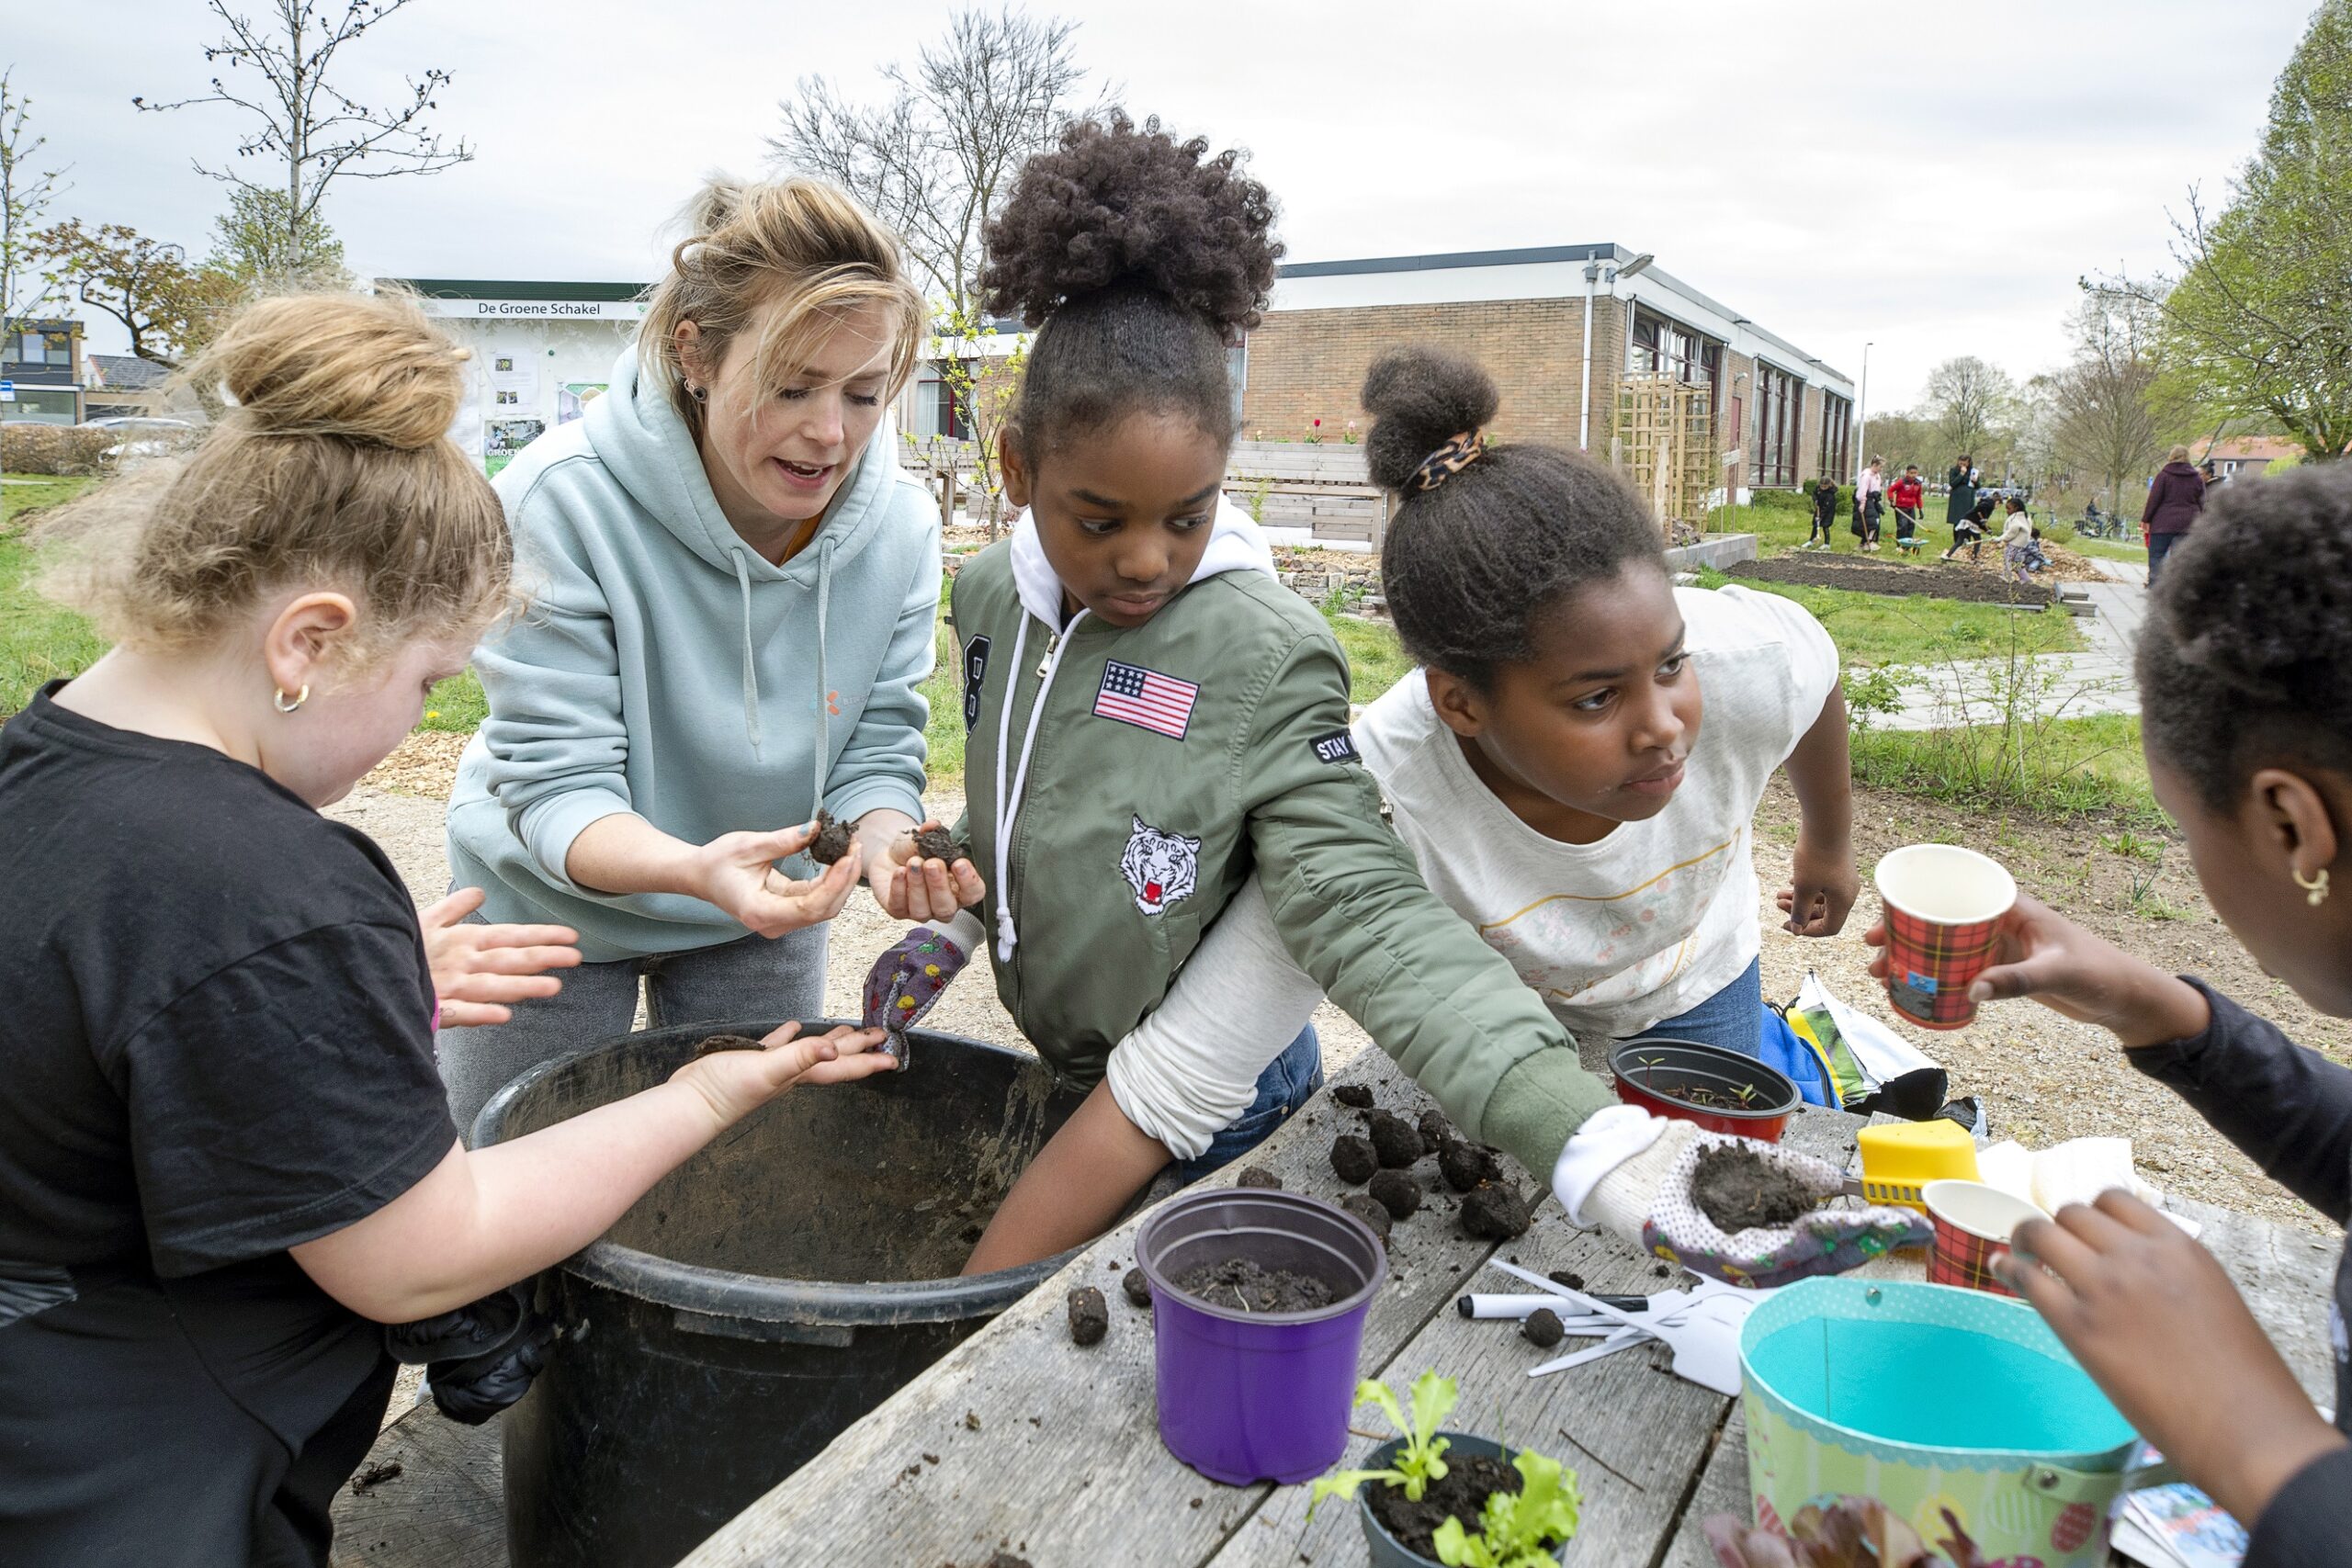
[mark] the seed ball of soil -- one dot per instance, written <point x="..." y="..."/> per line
<point x="1739" y="1190"/>
<point x="1397" y="1192"/>
<point x="727" y="1043"/>
<point x="1436" y="1131"/>
<point x="938" y="844"/>
<point x="1494" y="1213"/>
<point x="1370" y="1212"/>
<point x="1542" y="1328"/>
<point x="1354" y="1096"/>
<point x="1089" y="1315"/>
<point x="1259" y="1176"/>
<point x="832" y="839"/>
<point x="1137" y="1287"/>
<point x="1567" y="1277"/>
<point x="1353" y="1158"/>
<point x="1394" y="1139"/>
<point x="1465" y="1166"/>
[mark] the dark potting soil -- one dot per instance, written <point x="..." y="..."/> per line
<point x="1965" y="584"/>
<point x="1370" y="1211"/>
<point x="1137" y="1287"/>
<point x="1240" y="1283"/>
<point x="1397" y="1140"/>
<point x="938" y="844"/>
<point x="1354" y="1096"/>
<point x="727" y="1043"/>
<point x="1465" y="1166"/>
<point x="832" y="839"/>
<point x="1567" y="1277"/>
<point x="1738" y="1190"/>
<point x="1494" y="1213"/>
<point x="1461" y="1495"/>
<point x="1259" y="1176"/>
<point x="1436" y="1131"/>
<point x="1397" y="1192"/>
<point x="1089" y="1315"/>
<point x="1542" y="1328"/>
<point x="1353" y="1158"/>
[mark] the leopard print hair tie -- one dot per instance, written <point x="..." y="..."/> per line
<point x="1449" y="460"/>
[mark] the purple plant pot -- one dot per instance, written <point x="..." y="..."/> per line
<point x="1264" y="1397"/>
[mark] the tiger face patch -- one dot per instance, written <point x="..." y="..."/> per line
<point x="1161" y="867"/>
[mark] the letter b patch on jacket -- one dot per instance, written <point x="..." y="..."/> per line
<point x="976" y="671"/>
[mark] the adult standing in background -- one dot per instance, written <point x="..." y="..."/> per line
<point x="2174" y="502"/>
<point x="734" y="591"/>
<point x="1961" y="482"/>
<point x="1868" y="502"/>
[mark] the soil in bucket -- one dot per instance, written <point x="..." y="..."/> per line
<point x="1468" y="1482"/>
<point x="763" y="1296"/>
<point x="1738" y="1190"/>
<point x="1240" y="1283"/>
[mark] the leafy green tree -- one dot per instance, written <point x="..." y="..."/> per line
<point x="168" y="305"/>
<point x="256" y="243"/>
<point x="2257" y="314"/>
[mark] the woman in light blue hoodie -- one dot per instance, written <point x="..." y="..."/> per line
<point x="732" y="595"/>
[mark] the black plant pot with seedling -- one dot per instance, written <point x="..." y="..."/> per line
<point x="1387" y="1551"/>
<point x="1712" y="1084"/>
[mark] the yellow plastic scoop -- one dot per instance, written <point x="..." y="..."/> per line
<point x="1902" y="1157"/>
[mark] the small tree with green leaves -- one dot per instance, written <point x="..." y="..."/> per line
<point x="982" y="388"/>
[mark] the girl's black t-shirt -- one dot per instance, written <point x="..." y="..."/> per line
<point x="216" y="1043"/>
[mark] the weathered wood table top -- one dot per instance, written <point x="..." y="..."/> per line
<point x="1021" y="1441"/>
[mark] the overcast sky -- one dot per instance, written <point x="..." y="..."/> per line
<point x="1840" y="172"/>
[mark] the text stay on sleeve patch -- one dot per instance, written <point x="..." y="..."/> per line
<point x="1338" y="746"/>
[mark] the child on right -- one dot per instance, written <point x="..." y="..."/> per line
<point x="2246" y="719"/>
<point x="2017" y="540"/>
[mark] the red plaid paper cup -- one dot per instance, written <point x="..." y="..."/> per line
<point x="1944" y="906"/>
<point x="1974" y="1222"/>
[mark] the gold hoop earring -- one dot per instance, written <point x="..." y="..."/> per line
<point x="304" y="696"/>
<point x="2315" y="889"/>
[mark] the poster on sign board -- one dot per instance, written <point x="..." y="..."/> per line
<point x="502" y="438"/>
<point x="573" y="398"/>
<point x="513" y="379"/>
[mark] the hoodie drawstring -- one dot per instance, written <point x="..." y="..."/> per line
<point x="1008" y="804"/>
<point x="824" y="693"/>
<point x="751" y="666"/>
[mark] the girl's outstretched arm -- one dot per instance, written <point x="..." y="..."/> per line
<point x="480" y="1221"/>
<point x="1821" y="771"/>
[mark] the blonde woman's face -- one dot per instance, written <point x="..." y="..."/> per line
<point x="777" y="447"/>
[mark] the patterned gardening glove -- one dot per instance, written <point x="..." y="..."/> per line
<point x="906" y="981"/>
<point x="1633" y="1177"/>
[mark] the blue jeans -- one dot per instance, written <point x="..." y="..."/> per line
<point x="1289" y="1081"/>
<point x="1732" y="1018"/>
<point x="2159" y="546"/>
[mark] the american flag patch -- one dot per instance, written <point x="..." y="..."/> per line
<point x="1147" y="699"/>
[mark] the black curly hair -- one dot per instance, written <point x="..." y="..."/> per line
<point x="1141" y="258"/>
<point x="1472" y="566"/>
<point x="2243" y="657"/>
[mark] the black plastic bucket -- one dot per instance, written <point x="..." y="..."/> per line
<point x="763" y="1296"/>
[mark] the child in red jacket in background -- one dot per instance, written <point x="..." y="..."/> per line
<point x="1910" y="498"/>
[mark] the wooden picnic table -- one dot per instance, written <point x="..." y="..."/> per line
<point x="1021" y="1441"/>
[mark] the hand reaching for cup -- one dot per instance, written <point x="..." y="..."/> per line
<point x="910" y="886"/>
<point x="479" y="969"/>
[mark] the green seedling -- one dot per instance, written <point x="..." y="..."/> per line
<point x="1421" y="1461"/>
<point x="1517" y="1529"/>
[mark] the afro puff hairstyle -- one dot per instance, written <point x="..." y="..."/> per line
<point x="2243" y="659"/>
<point x="1141" y="259"/>
<point x="1472" y="566"/>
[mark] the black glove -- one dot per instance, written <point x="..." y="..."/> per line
<point x="479" y="1359"/>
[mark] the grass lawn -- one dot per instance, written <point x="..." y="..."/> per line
<point x="1873" y="630"/>
<point x="2069" y="767"/>
<point x="38" y="640"/>
<point x="2111" y="549"/>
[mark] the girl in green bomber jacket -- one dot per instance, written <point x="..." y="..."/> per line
<point x="1159" y="728"/>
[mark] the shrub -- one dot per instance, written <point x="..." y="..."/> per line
<point x="28" y="447"/>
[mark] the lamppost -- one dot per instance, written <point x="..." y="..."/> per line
<point x="1862" y="412"/>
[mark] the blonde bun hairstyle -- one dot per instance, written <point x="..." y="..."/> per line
<point x="328" y="466"/>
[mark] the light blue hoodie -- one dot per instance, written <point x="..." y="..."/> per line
<point x="664" y="668"/>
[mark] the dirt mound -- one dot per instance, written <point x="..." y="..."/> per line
<point x="1877" y="575"/>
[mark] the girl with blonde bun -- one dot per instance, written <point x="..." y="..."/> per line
<point x="225" y="1155"/>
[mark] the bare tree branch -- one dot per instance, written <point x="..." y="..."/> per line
<point x="25" y="195"/>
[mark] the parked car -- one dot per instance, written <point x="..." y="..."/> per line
<point x="144" y="435"/>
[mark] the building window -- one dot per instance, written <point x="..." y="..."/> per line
<point x="1836" y="431"/>
<point x="1779" y="407"/>
<point x="1663" y="347"/>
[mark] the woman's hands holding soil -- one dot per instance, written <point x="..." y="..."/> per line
<point x="909" y="887"/>
<point x="1822" y="886"/>
<point x="736" y="1083"/>
<point x="737" y="872"/>
<point x="478" y="969"/>
<point x="2042" y="954"/>
<point x="2159" y="1326"/>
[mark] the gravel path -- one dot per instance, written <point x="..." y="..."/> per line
<point x="2044" y="1077"/>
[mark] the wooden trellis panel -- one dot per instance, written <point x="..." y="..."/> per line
<point x="1664" y="443"/>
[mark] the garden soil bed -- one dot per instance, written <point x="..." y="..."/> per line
<point x="1934" y="578"/>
